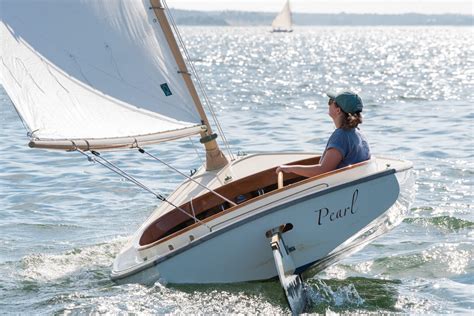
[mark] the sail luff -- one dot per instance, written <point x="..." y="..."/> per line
<point x="215" y="159"/>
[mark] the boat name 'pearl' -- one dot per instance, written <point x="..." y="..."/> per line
<point x="324" y="213"/>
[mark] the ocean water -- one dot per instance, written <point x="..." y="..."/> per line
<point x="63" y="219"/>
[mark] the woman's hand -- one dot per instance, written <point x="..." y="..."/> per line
<point x="284" y="169"/>
<point x="329" y="162"/>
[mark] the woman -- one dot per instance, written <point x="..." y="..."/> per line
<point x="347" y="145"/>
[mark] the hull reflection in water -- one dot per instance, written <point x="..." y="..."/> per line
<point x="329" y="217"/>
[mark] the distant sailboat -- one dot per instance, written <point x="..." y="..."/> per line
<point x="283" y="21"/>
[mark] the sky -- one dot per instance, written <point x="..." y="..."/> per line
<point x="332" y="6"/>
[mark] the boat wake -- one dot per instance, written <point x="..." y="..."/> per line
<point x="351" y="294"/>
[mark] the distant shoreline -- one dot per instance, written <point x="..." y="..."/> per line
<point x="244" y="18"/>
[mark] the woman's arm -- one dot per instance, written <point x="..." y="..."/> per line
<point x="332" y="157"/>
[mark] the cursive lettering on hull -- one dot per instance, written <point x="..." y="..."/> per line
<point x="326" y="215"/>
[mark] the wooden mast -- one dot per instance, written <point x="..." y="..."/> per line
<point x="215" y="159"/>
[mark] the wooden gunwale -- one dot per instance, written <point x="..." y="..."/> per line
<point x="234" y="208"/>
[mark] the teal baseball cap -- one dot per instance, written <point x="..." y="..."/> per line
<point x="348" y="101"/>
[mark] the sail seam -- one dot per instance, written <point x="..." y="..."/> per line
<point x="109" y="49"/>
<point x="11" y="74"/>
<point x="54" y="76"/>
<point x="90" y="88"/>
<point x="108" y="97"/>
<point x="18" y="60"/>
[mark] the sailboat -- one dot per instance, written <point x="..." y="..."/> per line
<point x="283" y="21"/>
<point x="94" y="76"/>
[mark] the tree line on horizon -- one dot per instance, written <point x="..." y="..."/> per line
<point x="242" y="18"/>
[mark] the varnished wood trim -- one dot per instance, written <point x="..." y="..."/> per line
<point x="234" y="208"/>
<point x="184" y="248"/>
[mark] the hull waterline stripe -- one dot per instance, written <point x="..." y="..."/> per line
<point x="249" y="219"/>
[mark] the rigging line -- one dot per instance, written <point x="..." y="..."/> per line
<point x="196" y="150"/>
<point x="208" y="101"/>
<point x="203" y="91"/>
<point x="80" y="69"/>
<point x="193" y="69"/>
<point x="214" y="116"/>
<point x="159" y="196"/>
<point x="184" y="175"/>
<point x="107" y="46"/>
<point x="117" y="170"/>
<point x="211" y="108"/>
<point x="122" y="173"/>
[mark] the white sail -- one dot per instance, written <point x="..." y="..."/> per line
<point x="283" y="21"/>
<point x="94" y="72"/>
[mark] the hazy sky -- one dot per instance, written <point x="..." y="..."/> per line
<point x="331" y="6"/>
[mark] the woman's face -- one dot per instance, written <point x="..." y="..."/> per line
<point x="334" y="110"/>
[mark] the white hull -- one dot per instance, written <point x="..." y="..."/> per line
<point x="331" y="217"/>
